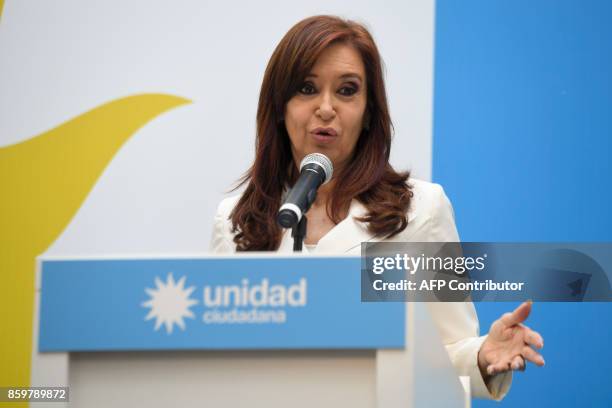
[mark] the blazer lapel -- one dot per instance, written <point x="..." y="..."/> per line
<point x="348" y="235"/>
<point x="345" y="237"/>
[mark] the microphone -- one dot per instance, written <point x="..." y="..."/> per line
<point x="315" y="170"/>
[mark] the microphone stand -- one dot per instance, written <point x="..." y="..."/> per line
<point x="298" y="232"/>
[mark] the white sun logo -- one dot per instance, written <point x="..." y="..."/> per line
<point x="169" y="303"/>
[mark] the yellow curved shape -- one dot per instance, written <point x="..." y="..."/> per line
<point x="43" y="182"/>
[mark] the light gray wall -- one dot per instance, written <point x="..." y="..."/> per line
<point x="159" y="194"/>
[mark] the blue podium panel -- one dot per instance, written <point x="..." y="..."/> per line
<point x="238" y="302"/>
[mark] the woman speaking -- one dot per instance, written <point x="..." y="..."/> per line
<point x="323" y="92"/>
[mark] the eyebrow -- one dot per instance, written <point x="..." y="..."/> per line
<point x="343" y="76"/>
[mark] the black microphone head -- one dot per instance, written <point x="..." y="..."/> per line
<point x="287" y="218"/>
<point x="320" y="160"/>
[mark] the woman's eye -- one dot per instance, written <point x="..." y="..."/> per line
<point x="347" y="90"/>
<point x="307" y="89"/>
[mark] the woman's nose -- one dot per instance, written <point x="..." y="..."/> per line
<point x="326" y="110"/>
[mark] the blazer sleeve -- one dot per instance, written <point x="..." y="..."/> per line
<point x="221" y="241"/>
<point x="457" y="321"/>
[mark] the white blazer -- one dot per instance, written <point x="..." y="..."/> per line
<point x="430" y="219"/>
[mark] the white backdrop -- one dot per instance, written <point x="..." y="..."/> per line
<point x="59" y="59"/>
<point x="159" y="193"/>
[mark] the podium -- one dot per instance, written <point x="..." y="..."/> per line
<point x="262" y="330"/>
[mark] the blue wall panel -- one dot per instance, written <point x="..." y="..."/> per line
<point x="523" y="148"/>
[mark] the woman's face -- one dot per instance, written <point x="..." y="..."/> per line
<point x="326" y="114"/>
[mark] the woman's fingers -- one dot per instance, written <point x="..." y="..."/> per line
<point x="533" y="338"/>
<point x="498" y="367"/>
<point x="518" y="315"/>
<point x="533" y="356"/>
<point x="494" y="369"/>
<point x="518" y="363"/>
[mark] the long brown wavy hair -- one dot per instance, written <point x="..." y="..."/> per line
<point x="368" y="177"/>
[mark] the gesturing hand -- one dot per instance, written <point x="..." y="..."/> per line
<point x="509" y="344"/>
